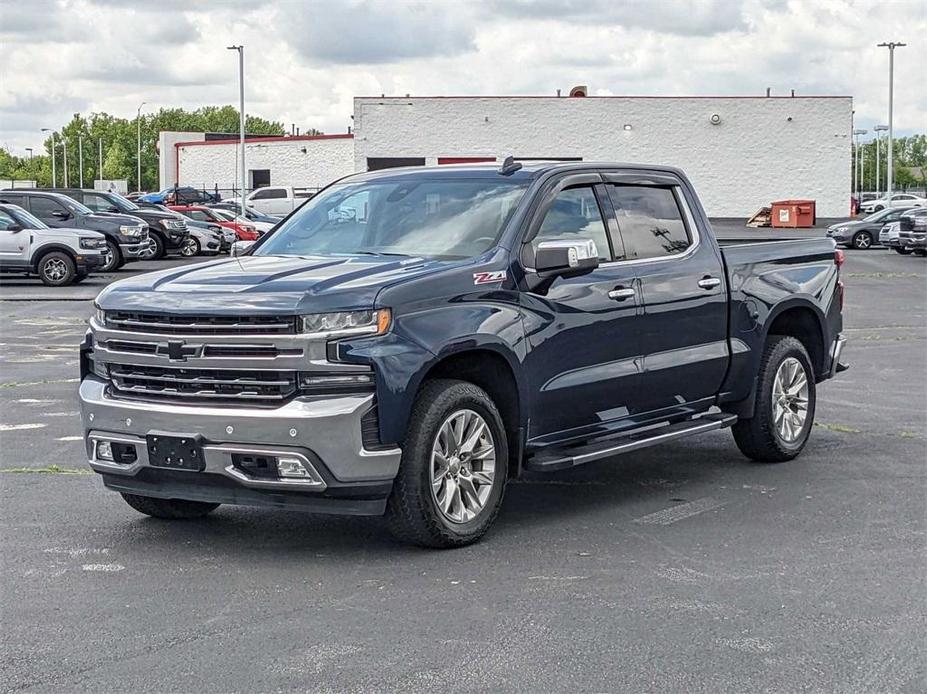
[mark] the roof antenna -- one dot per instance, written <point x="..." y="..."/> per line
<point x="509" y="166"/>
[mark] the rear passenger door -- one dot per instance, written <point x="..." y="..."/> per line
<point x="683" y="328"/>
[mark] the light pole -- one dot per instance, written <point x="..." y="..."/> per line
<point x="54" y="145"/>
<point x="29" y="149"/>
<point x="80" y="159"/>
<point x="138" y="142"/>
<point x="100" y="151"/>
<point x="64" y="148"/>
<point x="241" y="117"/>
<point x="891" y="46"/>
<point x="879" y="129"/>
<point x="859" y="160"/>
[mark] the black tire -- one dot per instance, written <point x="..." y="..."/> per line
<point x="56" y="269"/>
<point x="878" y="208"/>
<point x="113" y="259"/>
<point x="902" y="251"/>
<point x="169" y="509"/>
<point x="412" y="511"/>
<point x="80" y="277"/>
<point x="190" y="247"/>
<point x="862" y="241"/>
<point x="919" y="251"/>
<point x="158" y="243"/>
<point x="758" y="438"/>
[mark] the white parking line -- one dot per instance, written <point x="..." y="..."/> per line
<point x="17" y="427"/>
<point x="677" y="513"/>
<point x="70" y="438"/>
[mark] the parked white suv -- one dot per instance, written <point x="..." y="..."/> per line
<point x="59" y="256"/>
<point x="897" y="200"/>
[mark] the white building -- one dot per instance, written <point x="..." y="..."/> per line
<point x="741" y="153"/>
<point x="303" y="161"/>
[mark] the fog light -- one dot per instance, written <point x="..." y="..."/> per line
<point x="104" y="450"/>
<point x="291" y="467"/>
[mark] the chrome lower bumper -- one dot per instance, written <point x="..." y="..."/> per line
<point x="323" y="431"/>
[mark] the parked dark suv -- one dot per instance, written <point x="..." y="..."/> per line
<point x="126" y="236"/>
<point x="167" y="231"/>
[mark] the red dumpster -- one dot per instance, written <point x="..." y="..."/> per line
<point x="793" y="214"/>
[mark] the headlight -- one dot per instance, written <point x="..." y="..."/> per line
<point x="92" y="244"/>
<point x="100" y="316"/>
<point x="843" y="229"/>
<point x="345" y="323"/>
<point x="130" y="230"/>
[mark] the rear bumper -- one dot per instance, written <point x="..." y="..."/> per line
<point x="323" y="433"/>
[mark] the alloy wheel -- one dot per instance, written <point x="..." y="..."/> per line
<point x="190" y="247"/>
<point x="790" y="400"/>
<point x="862" y="241"/>
<point x="463" y="466"/>
<point x="54" y="270"/>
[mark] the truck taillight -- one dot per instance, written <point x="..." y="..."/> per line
<point x="839" y="257"/>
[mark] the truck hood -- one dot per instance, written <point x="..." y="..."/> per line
<point x="266" y="284"/>
<point x="112" y="218"/>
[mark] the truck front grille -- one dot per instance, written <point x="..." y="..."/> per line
<point x="164" y="324"/>
<point x="260" y="387"/>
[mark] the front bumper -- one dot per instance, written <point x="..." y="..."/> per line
<point x="323" y="432"/>
<point x="132" y="250"/>
<point x="89" y="262"/>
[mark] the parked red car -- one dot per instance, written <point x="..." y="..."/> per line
<point x="244" y="232"/>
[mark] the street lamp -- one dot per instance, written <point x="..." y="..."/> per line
<point x="138" y="152"/>
<point x="859" y="168"/>
<point x="241" y="117"/>
<point x="54" y="145"/>
<point x="80" y="159"/>
<point x="29" y="149"/>
<point x="879" y="129"/>
<point x="891" y="46"/>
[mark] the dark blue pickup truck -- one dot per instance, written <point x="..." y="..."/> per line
<point x="409" y="340"/>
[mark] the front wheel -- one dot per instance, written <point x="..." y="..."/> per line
<point x="453" y="470"/>
<point x="862" y="241"/>
<point x="784" y="409"/>
<point x="902" y="251"/>
<point x="190" y="247"/>
<point x="169" y="509"/>
<point x="57" y="269"/>
<point x="112" y="257"/>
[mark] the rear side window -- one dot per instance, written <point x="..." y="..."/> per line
<point x="574" y="214"/>
<point x="650" y="221"/>
<point x="269" y="193"/>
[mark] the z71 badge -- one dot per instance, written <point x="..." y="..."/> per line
<point x="488" y="277"/>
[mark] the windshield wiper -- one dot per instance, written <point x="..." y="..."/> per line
<point x="379" y="253"/>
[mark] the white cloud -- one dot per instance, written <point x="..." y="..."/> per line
<point x="304" y="61"/>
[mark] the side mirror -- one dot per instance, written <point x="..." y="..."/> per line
<point x="565" y="258"/>
<point x="15" y="228"/>
<point x="239" y="247"/>
<point x="61" y="214"/>
<point x="113" y="208"/>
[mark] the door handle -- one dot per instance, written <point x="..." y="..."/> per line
<point x="621" y="293"/>
<point x="709" y="282"/>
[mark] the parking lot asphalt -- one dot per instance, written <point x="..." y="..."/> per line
<point x="806" y="576"/>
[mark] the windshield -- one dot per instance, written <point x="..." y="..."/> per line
<point x="121" y="203"/>
<point x="437" y="217"/>
<point x="28" y="221"/>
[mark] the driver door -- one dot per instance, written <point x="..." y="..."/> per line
<point x="14" y="245"/>
<point x="583" y="356"/>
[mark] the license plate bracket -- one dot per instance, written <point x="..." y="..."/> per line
<point x="176" y="452"/>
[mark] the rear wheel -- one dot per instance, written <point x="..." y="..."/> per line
<point x="903" y="251"/>
<point x="57" y="269"/>
<point x="169" y="509"/>
<point x="454" y="467"/>
<point x="862" y="240"/>
<point x="785" y="400"/>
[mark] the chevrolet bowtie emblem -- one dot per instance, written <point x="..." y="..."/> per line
<point x="178" y="350"/>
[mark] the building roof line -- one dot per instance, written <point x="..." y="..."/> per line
<point x="251" y="140"/>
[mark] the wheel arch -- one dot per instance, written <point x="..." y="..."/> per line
<point x="803" y="321"/>
<point x="42" y="251"/>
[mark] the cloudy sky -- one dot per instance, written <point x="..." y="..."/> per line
<point x="306" y="60"/>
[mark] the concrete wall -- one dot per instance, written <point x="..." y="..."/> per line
<point x="763" y="149"/>
<point x="167" y="154"/>
<point x="304" y="161"/>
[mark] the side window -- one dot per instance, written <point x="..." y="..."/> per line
<point x="97" y="203"/>
<point x="574" y="214"/>
<point x="269" y="194"/>
<point x="43" y="207"/>
<point x="650" y="222"/>
<point x="199" y="216"/>
<point x="6" y="221"/>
